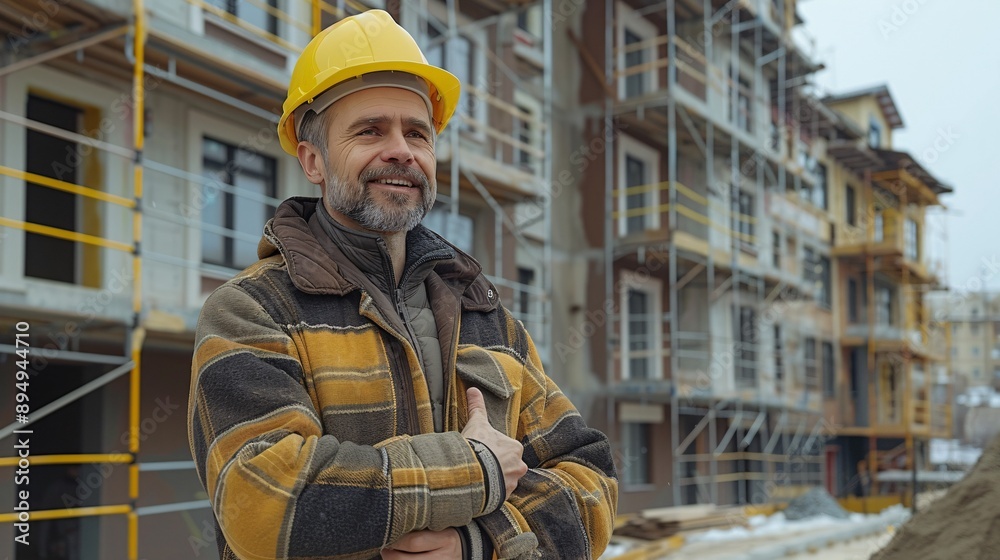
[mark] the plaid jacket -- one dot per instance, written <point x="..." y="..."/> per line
<point x="310" y="421"/>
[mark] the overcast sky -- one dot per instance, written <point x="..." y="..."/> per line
<point x="941" y="61"/>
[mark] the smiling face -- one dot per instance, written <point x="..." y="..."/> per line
<point x="379" y="175"/>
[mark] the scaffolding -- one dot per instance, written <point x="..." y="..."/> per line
<point x="116" y="45"/>
<point x="671" y="88"/>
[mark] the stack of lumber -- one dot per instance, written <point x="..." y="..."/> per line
<point x="659" y="523"/>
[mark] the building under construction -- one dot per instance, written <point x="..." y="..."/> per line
<point x="761" y="261"/>
<point x="723" y="270"/>
<point x="138" y="165"/>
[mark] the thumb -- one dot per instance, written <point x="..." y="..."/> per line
<point x="476" y="402"/>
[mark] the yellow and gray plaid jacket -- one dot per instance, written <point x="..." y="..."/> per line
<point x="310" y="420"/>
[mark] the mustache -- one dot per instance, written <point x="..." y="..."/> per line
<point x="412" y="175"/>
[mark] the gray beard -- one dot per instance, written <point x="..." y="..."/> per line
<point x="355" y="200"/>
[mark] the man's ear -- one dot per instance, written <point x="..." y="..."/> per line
<point x="312" y="162"/>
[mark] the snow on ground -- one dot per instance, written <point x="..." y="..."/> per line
<point x="763" y="525"/>
<point x="952" y="451"/>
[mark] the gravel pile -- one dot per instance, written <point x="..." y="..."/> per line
<point x="814" y="502"/>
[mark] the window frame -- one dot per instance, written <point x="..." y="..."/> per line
<point x="533" y="107"/>
<point x="653" y="288"/>
<point x="270" y="176"/>
<point x="627" y="18"/>
<point x="829" y="370"/>
<point x="746" y="314"/>
<point x="851" y="206"/>
<point x="810" y="369"/>
<point x="477" y="108"/>
<point x="627" y="146"/>
<point x="874" y="136"/>
<point x="641" y="456"/>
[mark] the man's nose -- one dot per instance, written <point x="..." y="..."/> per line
<point x="396" y="149"/>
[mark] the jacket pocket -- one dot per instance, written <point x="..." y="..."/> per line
<point x="498" y="376"/>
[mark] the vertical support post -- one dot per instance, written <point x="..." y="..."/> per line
<point x="609" y="224"/>
<point x="547" y="250"/>
<point x="137" y="333"/>
<point x="713" y="442"/>
<point x="453" y="137"/>
<point x="317" y="16"/>
<point x="672" y="226"/>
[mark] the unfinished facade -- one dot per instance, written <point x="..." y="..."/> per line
<point x="731" y="195"/>
<point x="138" y="164"/>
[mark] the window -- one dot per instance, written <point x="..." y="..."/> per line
<point x="852" y="300"/>
<point x="811" y="367"/>
<point x="779" y="366"/>
<point x="776" y="249"/>
<point x="874" y="134"/>
<point x="851" y="203"/>
<point x="641" y="339"/>
<point x="975" y="351"/>
<point x="879" y="225"/>
<point x="253" y="12"/>
<point x="456" y="228"/>
<point x="635" y="82"/>
<point x="636" y="439"/>
<point x="525" y="131"/>
<point x="954" y="352"/>
<point x="743" y="215"/>
<point x="816" y="272"/>
<point x="976" y="373"/>
<point x="46" y="256"/>
<point x="638" y="174"/>
<point x="639" y="333"/>
<point x="746" y="364"/>
<point x="829" y="377"/>
<point x="636" y="51"/>
<point x="526" y="278"/>
<point x="522" y="133"/>
<point x="911" y="240"/>
<point x="820" y="192"/>
<point x="974" y="329"/>
<point x="883" y="305"/>
<point x="243" y="210"/>
<point x="463" y="57"/>
<point x="742" y="116"/>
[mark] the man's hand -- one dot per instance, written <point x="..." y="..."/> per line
<point x="508" y="451"/>
<point x="426" y="545"/>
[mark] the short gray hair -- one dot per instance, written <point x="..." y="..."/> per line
<point x="315" y="130"/>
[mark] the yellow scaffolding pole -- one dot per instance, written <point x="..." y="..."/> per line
<point x="138" y="333"/>
<point x="49" y="514"/>
<point x="67" y="187"/>
<point x="65" y="234"/>
<point x="74" y="459"/>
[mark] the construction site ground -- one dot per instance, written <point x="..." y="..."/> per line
<point x="808" y="541"/>
<point x="758" y="537"/>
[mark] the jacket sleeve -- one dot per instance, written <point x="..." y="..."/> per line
<point x="278" y="486"/>
<point x="568" y="499"/>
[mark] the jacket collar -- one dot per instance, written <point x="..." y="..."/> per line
<point x="317" y="265"/>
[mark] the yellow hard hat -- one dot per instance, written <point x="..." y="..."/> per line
<point x="357" y="45"/>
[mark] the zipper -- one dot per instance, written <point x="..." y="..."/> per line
<point x="451" y="373"/>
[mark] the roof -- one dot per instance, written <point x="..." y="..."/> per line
<point x="881" y="94"/>
<point x="903" y="160"/>
<point x="858" y="157"/>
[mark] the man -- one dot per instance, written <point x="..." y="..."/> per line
<point x="360" y="392"/>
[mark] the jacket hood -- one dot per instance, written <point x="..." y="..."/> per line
<point x="315" y="263"/>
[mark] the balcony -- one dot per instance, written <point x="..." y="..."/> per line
<point x="883" y="237"/>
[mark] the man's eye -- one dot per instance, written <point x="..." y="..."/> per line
<point x="368" y="132"/>
<point x="416" y="134"/>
